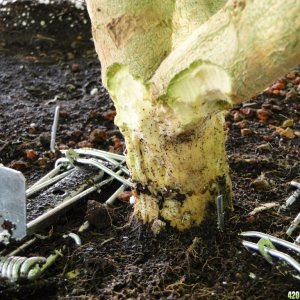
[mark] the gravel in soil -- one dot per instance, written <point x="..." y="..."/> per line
<point x="120" y="258"/>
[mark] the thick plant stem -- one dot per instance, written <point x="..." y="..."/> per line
<point x="136" y="33"/>
<point x="179" y="175"/>
<point x="170" y="91"/>
<point x="141" y="33"/>
<point x="189" y="15"/>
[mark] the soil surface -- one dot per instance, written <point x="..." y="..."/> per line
<point x="52" y="61"/>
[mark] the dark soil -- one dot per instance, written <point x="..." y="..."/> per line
<point x="45" y="65"/>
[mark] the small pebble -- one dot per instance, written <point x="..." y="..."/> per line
<point x="118" y="144"/>
<point x="290" y="75"/>
<point x="18" y="165"/>
<point x="75" y="68"/>
<point x="276" y="92"/>
<point x="94" y="92"/>
<point x="97" y="136"/>
<point x="98" y="214"/>
<point x="125" y="196"/>
<point x="85" y="144"/>
<point x="278" y="86"/>
<point x="64" y="114"/>
<point x="109" y="115"/>
<point x="31" y="154"/>
<point x="63" y="147"/>
<point x="262" y="114"/>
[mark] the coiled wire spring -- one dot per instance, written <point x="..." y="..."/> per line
<point x="18" y="267"/>
<point x="15" y="268"/>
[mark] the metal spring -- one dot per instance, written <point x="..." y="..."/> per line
<point x="19" y="267"/>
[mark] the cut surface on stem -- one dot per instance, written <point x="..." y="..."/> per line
<point x="130" y="95"/>
<point x="198" y="91"/>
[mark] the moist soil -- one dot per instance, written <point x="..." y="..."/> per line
<point x="52" y="61"/>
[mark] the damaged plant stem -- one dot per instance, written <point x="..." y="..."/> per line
<point x="172" y="68"/>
